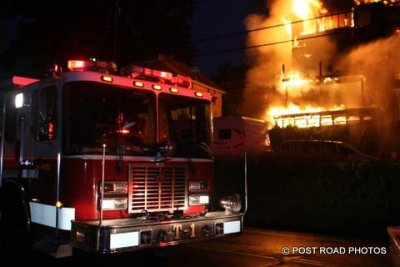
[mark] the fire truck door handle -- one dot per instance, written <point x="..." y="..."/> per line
<point x="27" y="163"/>
<point x="21" y="124"/>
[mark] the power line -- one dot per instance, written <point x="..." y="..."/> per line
<point x="228" y="51"/>
<point x="220" y="36"/>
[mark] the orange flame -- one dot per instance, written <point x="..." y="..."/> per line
<point x="314" y="18"/>
<point x="308" y="10"/>
<point x="302" y="116"/>
<point x="294" y="84"/>
<point x="360" y="2"/>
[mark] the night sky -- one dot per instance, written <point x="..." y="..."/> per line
<point x="35" y="35"/>
<point x="215" y="18"/>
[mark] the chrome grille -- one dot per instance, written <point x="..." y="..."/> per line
<point x="155" y="188"/>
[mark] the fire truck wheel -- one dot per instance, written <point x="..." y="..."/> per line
<point x="14" y="230"/>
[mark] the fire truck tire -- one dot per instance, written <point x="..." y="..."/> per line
<point x="14" y="226"/>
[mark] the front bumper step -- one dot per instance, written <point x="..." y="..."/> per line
<point x="133" y="234"/>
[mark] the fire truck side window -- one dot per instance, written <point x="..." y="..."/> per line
<point x="44" y="103"/>
<point x="186" y="122"/>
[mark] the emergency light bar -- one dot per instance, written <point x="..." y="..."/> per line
<point x="139" y="72"/>
<point x="182" y="81"/>
<point x="94" y="65"/>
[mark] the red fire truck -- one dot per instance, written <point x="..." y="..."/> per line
<point x="97" y="162"/>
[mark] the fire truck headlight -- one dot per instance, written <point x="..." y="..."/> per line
<point x="114" y="187"/>
<point x="198" y="186"/>
<point x="231" y="204"/>
<point x="195" y="200"/>
<point x="120" y="203"/>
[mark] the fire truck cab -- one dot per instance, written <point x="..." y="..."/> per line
<point x="105" y="163"/>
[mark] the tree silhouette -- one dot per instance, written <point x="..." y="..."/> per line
<point x="121" y="30"/>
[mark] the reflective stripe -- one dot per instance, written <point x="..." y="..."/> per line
<point x="123" y="240"/>
<point x="46" y="215"/>
<point x="232" y="227"/>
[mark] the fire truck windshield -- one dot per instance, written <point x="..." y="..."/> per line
<point x="125" y="121"/>
<point x="97" y="114"/>
<point x="186" y="124"/>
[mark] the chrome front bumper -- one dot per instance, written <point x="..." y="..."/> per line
<point x="130" y="234"/>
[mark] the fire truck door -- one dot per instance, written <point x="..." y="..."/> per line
<point x="36" y="125"/>
<point x="40" y="129"/>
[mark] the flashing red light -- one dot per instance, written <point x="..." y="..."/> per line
<point x="50" y="131"/>
<point x="94" y="65"/>
<point x="123" y="131"/>
<point x="182" y="81"/>
<point x="174" y="90"/>
<point x="22" y="81"/>
<point x="162" y="74"/>
<point x="76" y="65"/>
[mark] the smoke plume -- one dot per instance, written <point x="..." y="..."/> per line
<point x="271" y="60"/>
<point x="367" y="72"/>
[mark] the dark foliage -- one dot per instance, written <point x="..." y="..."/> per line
<point x="42" y="33"/>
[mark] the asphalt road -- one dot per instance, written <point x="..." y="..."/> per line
<point x="253" y="248"/>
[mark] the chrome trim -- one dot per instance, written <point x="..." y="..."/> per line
<point x="157" y="188"/>
<point x="59" y="131"/>
<point x="153" y="233"/>
<point x="134" y="158"/>
<point x="103" y="169"/>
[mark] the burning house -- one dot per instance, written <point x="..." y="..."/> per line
<point x="331" y="74"/>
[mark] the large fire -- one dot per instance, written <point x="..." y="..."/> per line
<point x="359" y="2"/>
<point x="314" y="18"/>
<point x="315" y="76"/>
<point x="306" y="116"/>
<point x="308" y="10"/>
<point x="295" y="83"/>
<point x="306" y="17"/>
